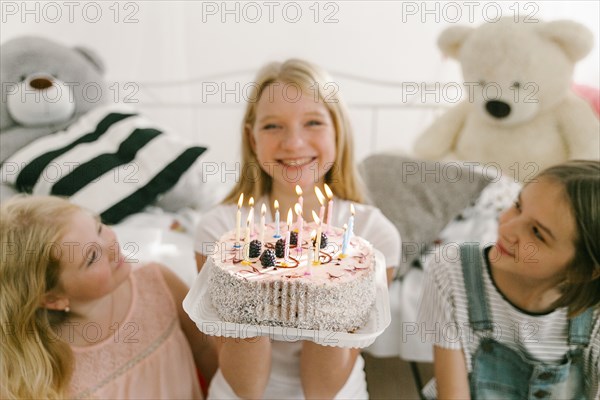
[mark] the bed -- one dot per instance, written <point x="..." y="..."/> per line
<point x="419" y="205"/>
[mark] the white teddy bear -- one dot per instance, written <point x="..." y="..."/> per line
<point x="520" y="113"/>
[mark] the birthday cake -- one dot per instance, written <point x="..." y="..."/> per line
<point x="257" y="284"/>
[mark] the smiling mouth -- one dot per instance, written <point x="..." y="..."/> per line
<point x="503" y="249"/>
<point x="296" y="162"/>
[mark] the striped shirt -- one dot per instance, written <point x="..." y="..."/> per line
<point x="444" y="319"/>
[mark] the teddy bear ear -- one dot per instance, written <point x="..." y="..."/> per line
<point x="451" y="40"/>
<point x="92" y="57"/>
<point x="573" y="38"/>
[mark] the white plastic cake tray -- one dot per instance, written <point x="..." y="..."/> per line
<point x="199" y="307"/>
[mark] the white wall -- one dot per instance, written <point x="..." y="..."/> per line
<point x="198" y="44"/>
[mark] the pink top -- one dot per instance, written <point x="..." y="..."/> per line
<point x="147" y="356"/>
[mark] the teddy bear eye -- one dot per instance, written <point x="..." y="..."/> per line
<point x="22" y="78"/>
<point x="481" y="82"/>
<point x="516" y="85"/>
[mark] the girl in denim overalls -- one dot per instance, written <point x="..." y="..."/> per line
<point x="520" y="319"/>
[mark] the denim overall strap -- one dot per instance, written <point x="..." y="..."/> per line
<point x="472" y="266"/>
<point x="580" y="328"/>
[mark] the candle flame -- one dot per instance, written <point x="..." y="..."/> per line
<point x="298" y="209"/>
<point x="251" y="202"/>
<point x="320" y="195"/>
<point x="248" y="219"/>
<point x="328" y="191"/>
<point x="316" y="217"/>
<point x="241" y="200"/>
<point x="352" y="209"/>
<point x="290" y="218"/>
<point x="345" y="227"/>
<point x="263" y="209"/>
<point x="313" y="234"/>
<point x="298" y="190"/>
<point x="276" y="204"/>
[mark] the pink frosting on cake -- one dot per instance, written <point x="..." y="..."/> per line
<point x="336" y="294"/>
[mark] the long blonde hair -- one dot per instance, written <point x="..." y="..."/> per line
<point x="36" y="363"/>
<point x="343" y="177"/>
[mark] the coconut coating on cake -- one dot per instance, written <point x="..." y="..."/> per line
<point x="336" y="295"/>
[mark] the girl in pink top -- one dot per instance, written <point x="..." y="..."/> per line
<point x="79" y="322"/>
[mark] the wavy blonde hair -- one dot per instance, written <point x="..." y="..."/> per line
<point x="343" y="177"/>
<point x="36" y="362"/>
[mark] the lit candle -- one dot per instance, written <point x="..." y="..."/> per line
<point x="251" y="215"/>
<point x="247" y="241"/>
<point x="345" y="240"/>
<point x="299" y="193"/>
<point x="299" y="226"/>
<point x="322" y="202"/>
<point x="318" y="238"/>
<point x="263" y="212"/>
<point x="313" y="235"/>
<point x="276" y="205"/>
<point x="286" y="248"/>
<point x="329" y="194"/>
<point x="238" y="220"/>
<point x="351" y="222"/>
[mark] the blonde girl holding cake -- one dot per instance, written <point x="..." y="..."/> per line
<point x="78" y="321"/>
<point x="295" y="132"/>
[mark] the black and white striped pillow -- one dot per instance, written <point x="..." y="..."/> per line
<point x="111" y="161"/>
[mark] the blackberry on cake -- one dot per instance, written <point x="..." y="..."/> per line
<point x="293" y="238"/>
<point x="280" y="248"/>
<point x="255" y="247"/>
<point x="323" y="241"/>
<point x="267" y="259"/>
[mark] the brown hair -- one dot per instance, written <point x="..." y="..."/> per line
<point x="342" y="177"/>
<point x="37" y="364"/>
<point x="580" y="180"/>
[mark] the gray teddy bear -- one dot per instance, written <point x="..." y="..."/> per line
<point x="45" y="87"/>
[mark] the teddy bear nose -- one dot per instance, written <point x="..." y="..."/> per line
<point x="40" y="83"/>
<point x="498" y="109"/>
